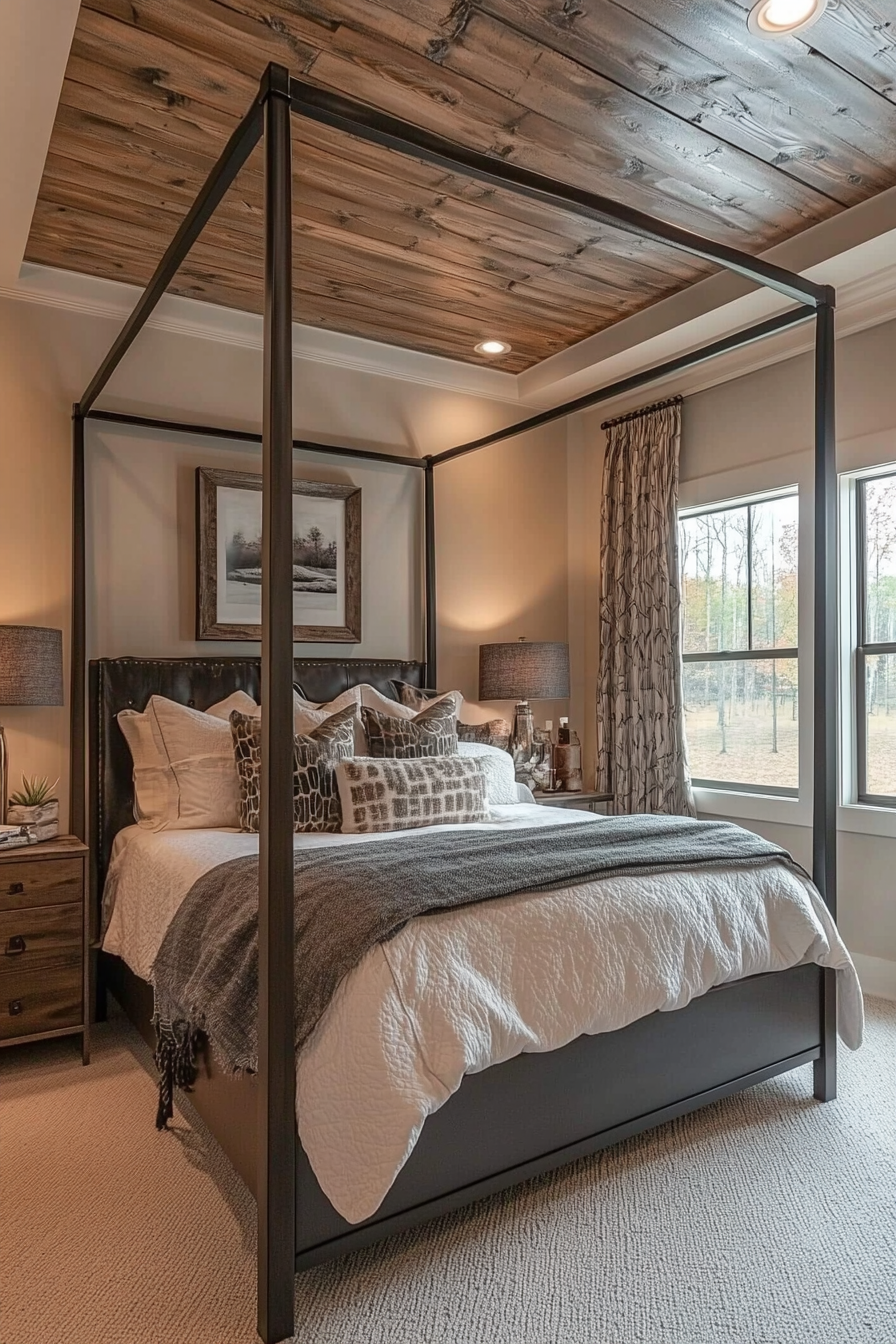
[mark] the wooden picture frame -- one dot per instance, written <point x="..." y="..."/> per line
<point x="227" y="540"/>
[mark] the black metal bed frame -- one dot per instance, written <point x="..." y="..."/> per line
<point x="268" y="119"/>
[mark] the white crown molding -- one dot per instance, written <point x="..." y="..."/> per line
<point x="855" y="243"/>
<point x="867" y="302"/>
<point x="111" y="300"/>
<point x="864" y="276"/>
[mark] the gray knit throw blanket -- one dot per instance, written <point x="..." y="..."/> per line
<point x="350" y="897"/>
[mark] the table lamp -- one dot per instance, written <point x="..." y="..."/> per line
<point x="523" y="671"/>
<point x="30" y="674"/>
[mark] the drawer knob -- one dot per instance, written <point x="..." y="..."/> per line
<point x="16" y="946"/>
<point x="16" y="888"/>
<point x="15" y="1007"/>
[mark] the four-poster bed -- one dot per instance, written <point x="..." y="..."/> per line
<point x="537" y="1110"/>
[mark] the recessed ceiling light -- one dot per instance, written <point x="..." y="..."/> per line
<point x="779" y="18"/>
<point x="493" y="348"/>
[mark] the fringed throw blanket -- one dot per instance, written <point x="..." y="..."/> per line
<point x="350" y="897"/>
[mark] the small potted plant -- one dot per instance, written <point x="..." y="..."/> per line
<point x="35" y="806"/>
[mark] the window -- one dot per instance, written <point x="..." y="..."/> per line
<point x="876" y="639"/>
<point x="739" y="642"/>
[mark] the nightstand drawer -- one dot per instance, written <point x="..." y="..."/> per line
<point x="40" y="882"/>
<point x="36" y="1001"/>
<point x="45" y="936"/>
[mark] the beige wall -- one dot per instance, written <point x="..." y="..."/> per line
<point x="503" y="512"/>
<point x="746" y="435"/>
<point x="501" y="534"/>
<point x="141" y="518"/>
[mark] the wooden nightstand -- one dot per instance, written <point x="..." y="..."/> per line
<point x="586" y="801"/>
<point x="44" y="942"/>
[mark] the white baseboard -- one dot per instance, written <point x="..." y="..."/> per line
<point x="877" y="976"/>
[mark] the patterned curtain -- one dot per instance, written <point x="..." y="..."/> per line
<point x="642" y="756"/>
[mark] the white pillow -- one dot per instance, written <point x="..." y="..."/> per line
<point x="374" y="699"/>
<point x="310" y="715"/>
<point x="155" y="797"/>
<point x="238" y="700"/>
<point x="184" y="776"/>
<point x="500" y="776"/>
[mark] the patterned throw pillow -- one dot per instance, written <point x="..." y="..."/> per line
<point x="417" y="698"/>
<point x="432" y="732"/>
<point x="495" y="733"/>
<point x="315" y="795"/>
<point x="397" y="795"/>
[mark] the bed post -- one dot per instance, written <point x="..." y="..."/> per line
<point x="78" y="640"/>
<point x="430" y="673"/>
<point x="276" y="916"/>
<point x="824" y="793"/>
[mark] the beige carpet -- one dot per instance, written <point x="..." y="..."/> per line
<point x="766" y="1219"/>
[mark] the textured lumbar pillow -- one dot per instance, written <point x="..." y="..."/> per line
<point x="432" y="732"/>
<point x="400" y="794"/>
<point x="315" y="795"/>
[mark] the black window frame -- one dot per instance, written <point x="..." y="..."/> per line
<point x="748" y="654"/>
<point x="865" y="649"/>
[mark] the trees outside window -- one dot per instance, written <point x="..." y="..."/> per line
<point x="875" y="680"/>
<point x="739" y="639"/>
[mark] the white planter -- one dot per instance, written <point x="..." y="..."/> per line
<point x="44" y="821"/>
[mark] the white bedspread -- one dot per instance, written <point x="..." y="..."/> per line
<point x="464" y="989"/>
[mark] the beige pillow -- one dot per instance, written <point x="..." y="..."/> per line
<point x="184" y="772"/>
<point x="412" y="697"/>
<point x="371" y="698"/>
<point x="239" y="701"/>
<point x="310" y="714"/>
<point x="155" y="796"/>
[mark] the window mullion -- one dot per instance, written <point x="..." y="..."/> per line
<point x="861" y="635"/>
<point x="861" y="727"/>
<point x="861" y="578"/>
<point x="749" y="576"/>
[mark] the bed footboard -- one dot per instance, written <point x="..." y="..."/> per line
<point x="537" y="1111"/>
<point x="540" y="1111"/>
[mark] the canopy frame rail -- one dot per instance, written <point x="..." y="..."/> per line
<point x="268" y="119"/>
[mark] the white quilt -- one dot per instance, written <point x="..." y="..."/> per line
<point x="464" y="989"/>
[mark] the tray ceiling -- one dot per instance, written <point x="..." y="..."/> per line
<point x="666" y="105"/>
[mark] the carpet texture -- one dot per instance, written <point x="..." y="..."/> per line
<point x="764" y="1219"/>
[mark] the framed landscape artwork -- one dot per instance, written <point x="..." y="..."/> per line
<point x="326" y="559"/>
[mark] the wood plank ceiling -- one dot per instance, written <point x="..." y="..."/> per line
<point x="667" y="105"/>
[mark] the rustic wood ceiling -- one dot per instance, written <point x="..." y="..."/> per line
<point x="667" y="105"/>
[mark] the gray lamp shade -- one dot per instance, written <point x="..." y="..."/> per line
<point x="30" y="665"/>
<point x="524" y="671"/>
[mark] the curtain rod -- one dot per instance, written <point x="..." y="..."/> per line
<point x="644" y="410"/>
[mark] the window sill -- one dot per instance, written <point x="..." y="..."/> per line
<point x="864" y="819"/>
<point x="746" y="806"/>
<point x="854" y="818"/>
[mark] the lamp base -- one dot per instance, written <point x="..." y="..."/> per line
<point x="522" y="743"/>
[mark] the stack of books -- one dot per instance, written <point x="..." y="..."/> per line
<point x="13" y="836"/>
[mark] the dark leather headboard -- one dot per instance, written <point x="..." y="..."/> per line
<point x="128" y="683"/>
